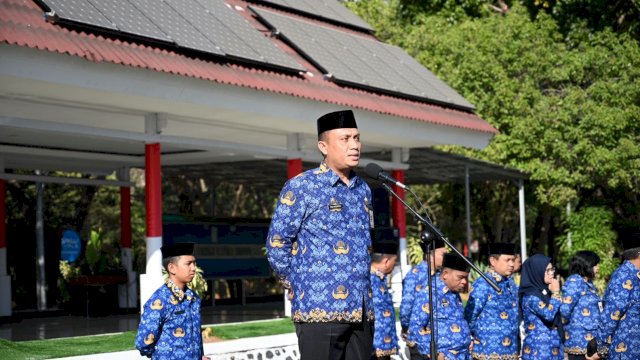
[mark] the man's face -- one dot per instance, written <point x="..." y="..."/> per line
<point x="438" y="257"/>
<point x="503" y="264"/>
<point x="455" y="280"/>
<point x="184" y="269"/>
<point x="341" y="148"/>
<point x="389" y="264"/>
<point x="517" y="263"/>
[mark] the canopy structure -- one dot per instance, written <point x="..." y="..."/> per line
<point x="93" y="88"/>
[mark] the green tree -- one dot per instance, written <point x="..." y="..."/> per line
<point x="566" y="108"/>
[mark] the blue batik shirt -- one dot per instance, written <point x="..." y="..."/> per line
<point x="620" y="322"/>
<point x="494" y="318"/>
<point x="170" y="325"/>
<point x="412" y="283"/>
<point x="541" y="342"/>
<point x="385" y="339"/>
<point x="580" y="311"/>
<point x="453" y="336"/>
<point x="318" y="244"/>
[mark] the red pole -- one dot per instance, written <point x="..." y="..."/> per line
<point x="153" y="190"/>
<point x="294" y="167"/>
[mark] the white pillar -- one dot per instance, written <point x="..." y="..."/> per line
<point x="523" y="234"/>
<point x="152" y="280"/>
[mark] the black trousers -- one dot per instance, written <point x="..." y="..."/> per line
<point x="576" y="357"/>
<point x="335" y="341"/>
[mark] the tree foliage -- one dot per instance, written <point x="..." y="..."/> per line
<point x="565" y="100"/>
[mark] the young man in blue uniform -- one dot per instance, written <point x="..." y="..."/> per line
<point x="383" y="260"/>
<point x="318" y="246"/>
<point x="494" y="318"/>
<point x="453" y="337"/>
<point x="416" y="280"/>
<point x="619" y="333"/>
<point x="170" y="324"/>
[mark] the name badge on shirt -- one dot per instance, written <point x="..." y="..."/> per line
<point x="334" y="205"/>
<point x="179" y="312"/>
<point x="369" y="208"/>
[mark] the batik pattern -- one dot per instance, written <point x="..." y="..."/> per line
<point x="318" y="244"/>
<point x="385" y="339"/>
<point x="411" y="285"/>
<point x="620" y="321"/>
<point x="170" y="325"/>
<point x="580" y="311"/>
<point x="494" y="319"/>
<point x="541" y="341"/>
<point x="453" y="336"/>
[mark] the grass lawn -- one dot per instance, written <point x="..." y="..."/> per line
<point x="47" y="349"/>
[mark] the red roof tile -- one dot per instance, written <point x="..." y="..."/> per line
<point x="22" y="23"/>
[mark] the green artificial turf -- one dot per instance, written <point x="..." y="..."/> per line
<point x="53" y="348"/>
<point x="84" y="345"/>
<point x="253" y="329"/>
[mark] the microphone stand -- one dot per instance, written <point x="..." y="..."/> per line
<point x="438" y="234"/>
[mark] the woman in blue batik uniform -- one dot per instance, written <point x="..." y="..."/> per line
<point x="581" y="304"/>
<point x="383" y="260"/>
<point x="540" y="301"/>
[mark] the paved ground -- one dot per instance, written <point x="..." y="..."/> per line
<point x="27" y="327"/>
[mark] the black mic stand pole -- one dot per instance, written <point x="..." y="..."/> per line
<point x="438" y="234"/>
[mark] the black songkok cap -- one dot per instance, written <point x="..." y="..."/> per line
<point x="389" y="247"/>
<point x="437" y="243"/>
<point x="177" y="249"/>
<point x="502" y="249"/>
<point x="336" y="120"/>
<point x="455" y="262"/>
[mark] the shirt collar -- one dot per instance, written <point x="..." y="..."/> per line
<point x="333" y="178"/>
<point x="176" y="291"/>
<point x="378" y="273"/>
<point x="497" y="277"/>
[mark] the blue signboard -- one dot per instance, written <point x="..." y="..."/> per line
<point x="71" y="246"/>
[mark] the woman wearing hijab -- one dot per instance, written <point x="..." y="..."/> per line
<point x="581" y="304"/>
<point x="540" y="301"/>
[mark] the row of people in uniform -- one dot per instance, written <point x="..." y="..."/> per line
<point x="570" y="321"/>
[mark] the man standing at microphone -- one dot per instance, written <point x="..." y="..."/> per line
<point x="318" y="246"/>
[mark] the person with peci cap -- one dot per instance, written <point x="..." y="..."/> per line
<point x="318" y="246"/>
<point x="170" y="323"/>
<point x="494" y="317"/>
<point x="453" y="337"/>
<point x="383" y="260"/>
<point x="619" y="333"/>
<point x="417" y="279"/>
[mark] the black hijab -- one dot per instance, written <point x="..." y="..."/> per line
<point x="532" y="277"/>
<point x="532" y="283"/>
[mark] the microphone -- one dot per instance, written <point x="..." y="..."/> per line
<point x="374" y="171"/>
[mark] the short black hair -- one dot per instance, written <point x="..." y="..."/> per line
<point x="169" y="260"/>
<point x="377" y="257"/>
<point x="582" y="263"/>
<point x="631" y="254"/>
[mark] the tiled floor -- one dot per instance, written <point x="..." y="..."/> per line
<point x="33" y="328"/>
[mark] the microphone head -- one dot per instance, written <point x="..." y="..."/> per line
<point x="373" y="170"/>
